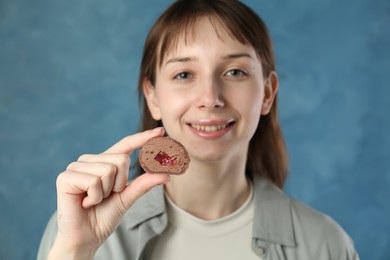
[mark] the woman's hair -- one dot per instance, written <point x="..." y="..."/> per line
<point x="267" y="152"/>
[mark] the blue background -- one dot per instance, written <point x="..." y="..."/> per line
<point x="68" y="73"/>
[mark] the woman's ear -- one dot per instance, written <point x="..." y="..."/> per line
<point x="151" y="99"/>
<point x="271" y="86"/>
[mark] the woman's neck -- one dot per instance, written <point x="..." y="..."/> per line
<point x="210" y="191"/>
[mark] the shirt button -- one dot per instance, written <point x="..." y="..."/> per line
<point x="260" y="251"/>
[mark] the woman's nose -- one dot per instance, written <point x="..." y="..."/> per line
<point x="209" y="95"/>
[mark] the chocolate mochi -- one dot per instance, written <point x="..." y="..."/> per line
<point x="164" y="155"/>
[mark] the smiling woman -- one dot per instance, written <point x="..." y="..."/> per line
<point x="248" y="32"/>
<point x="208" y="81"/>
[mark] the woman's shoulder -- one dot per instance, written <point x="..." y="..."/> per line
<point x="276" y="205"/>
<point x="310" y="219"/>
<point x="301" y="229"/>
<point x="320" y="231"/>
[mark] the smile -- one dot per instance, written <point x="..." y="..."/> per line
<point x="209" y="128"/>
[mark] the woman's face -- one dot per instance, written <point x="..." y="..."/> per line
<point x="210" y="93"/>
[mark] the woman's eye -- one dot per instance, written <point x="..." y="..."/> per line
<point x="236" y="73"/>
<point x="183" y="75"/>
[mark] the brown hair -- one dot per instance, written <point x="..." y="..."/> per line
<point x="267" y="152"/>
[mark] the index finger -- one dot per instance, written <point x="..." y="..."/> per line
<point x="132" y="142"/>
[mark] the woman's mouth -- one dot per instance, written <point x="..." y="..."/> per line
<point x="211" y="129"/>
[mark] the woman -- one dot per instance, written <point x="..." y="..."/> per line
<point x="208" y="78"/>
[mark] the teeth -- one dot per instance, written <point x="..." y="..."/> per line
<point x="208" y="128"/>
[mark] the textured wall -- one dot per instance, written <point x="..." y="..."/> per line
<point x="68" y="71"/>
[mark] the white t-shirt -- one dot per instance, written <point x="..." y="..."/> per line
<point x="190" y="238"/>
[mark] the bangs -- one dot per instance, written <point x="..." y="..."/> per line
<point x="186" y="31"/>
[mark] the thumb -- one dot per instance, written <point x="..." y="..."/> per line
<point x="132" y="142"/>
<point x="140" y="186"/>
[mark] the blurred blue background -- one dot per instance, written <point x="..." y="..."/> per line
<point x="68" y="73"/>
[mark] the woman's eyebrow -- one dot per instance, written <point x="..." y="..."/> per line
<point x="179" y="59"/>
<point x="237" y="55"/>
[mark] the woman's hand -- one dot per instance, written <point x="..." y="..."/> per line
<point x="93" y="196"/>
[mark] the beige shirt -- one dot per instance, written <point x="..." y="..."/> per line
<point x="191" y="238"/>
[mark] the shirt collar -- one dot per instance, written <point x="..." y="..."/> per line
<point x="273" y="217"/>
